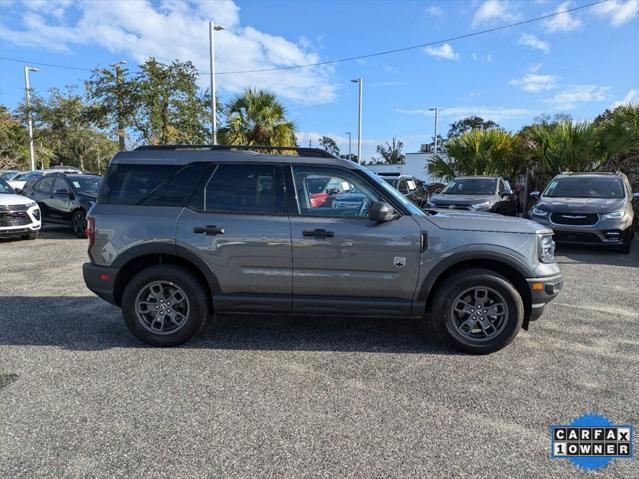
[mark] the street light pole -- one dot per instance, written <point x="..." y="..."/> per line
<point x="359" y="81"/>
<point x="212" y="29"/>
<point x="436" y="110"/>
<point x="349" y="145"/>
<point x="118" y="82"/>
<point x="27" y="98"/>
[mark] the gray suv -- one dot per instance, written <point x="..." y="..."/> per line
<point x="588" y="208"/>
<point x="180" y="232"/>
<point x="488" y="194"/>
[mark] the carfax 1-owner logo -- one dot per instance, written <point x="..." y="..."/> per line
<point x="591" y="441"/>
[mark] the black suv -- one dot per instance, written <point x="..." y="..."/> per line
<point x="65" y="198"/>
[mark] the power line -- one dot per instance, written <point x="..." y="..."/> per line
<point x="359" y="57"/>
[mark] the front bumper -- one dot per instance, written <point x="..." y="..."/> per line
<point x="605" y="232"/>
<point x="543" y="290"/>
<point x="19" y="221"/>
<point x="100" y="280"/>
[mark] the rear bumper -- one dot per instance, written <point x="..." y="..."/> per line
<point x="100" y="280"/>
<point x="543" y="290"/>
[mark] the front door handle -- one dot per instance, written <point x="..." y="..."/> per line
<point x="318" y="233"/>
<point x="209" y="230"/>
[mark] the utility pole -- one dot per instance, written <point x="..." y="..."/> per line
<point x="27" y="98"/>
<point x="212" y="29"/>
<point x="118" y="92"/>
<point x="436" y="110"/>
<point x="359" y="81"/>
<point x="349" y="145"/>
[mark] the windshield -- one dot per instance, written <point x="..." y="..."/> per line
<point x="86" y="184"/>
<point x="471" y="186"/>
<point x="396" y="195"/>
<point x="8" y="175"/>
<point x="28" y="176"/>
<point x="587" y="187"/>
<point x="5" y="188"/>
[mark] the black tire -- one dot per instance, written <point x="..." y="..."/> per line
<point x="458" y="283"/>
<point x="626" y="245"/>
<point x="194" y="291"/>
<point x="31" y="236"/>
<point x="79" y="223"/>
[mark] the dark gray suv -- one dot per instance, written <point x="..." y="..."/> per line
<point x="180" y="232"/>
<point x="487" y="194"/>
<point x="588" y="208"/>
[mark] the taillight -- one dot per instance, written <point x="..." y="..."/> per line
<point x="90" y="231"/>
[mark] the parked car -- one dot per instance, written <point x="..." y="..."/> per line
<point x="7" y="175"/>
<point x="19" y="216"/>
<point x="588" y="208"/>
<point x="19" y="181"/>
<point x="491" y="194"/>
<point x="180" y="232"/>
<point x="65" y="199"/>
<point x="409" y="186"/>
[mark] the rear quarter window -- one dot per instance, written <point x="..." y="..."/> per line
<point x="151" y="185"/>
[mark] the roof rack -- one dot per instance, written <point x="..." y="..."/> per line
<point x="301" y="151"/>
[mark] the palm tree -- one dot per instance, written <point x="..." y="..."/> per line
<point x="257" y="118"/>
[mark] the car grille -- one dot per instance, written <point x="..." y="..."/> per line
<point x="579" y="219"/>
<point x="15" y="207"/>
<point x="576" y="237"/>
<point x="452" y="206"/>
<point x="16" y="218"/>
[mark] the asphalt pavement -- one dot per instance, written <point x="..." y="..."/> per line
<point x="262" y="396"/>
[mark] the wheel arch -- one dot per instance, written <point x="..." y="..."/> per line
<point x="139" y="258"/>
<point x="513" y="269"/>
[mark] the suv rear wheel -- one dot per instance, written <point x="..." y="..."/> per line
<point x="165" y="305"/>
<point x="478" y="311"/>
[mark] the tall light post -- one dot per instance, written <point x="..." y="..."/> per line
<point x="359" y="81"/>
<point x="212" y="29"/>
<point x="349" y="145"/>
<point x="27" y="98"/>
<point x="435" y="109"/>
<point x="118" y="83"/>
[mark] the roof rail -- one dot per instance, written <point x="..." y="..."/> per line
<point x="301" y="151"/>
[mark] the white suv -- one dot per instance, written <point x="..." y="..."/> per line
<point x="19" y="216"/>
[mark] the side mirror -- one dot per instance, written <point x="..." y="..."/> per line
<point x="381" y="212"/>
<point x="71" y="195"/>
<point x="635" y="197"/>
<point x="506" y="193"/>
<point x="535" y="194"/>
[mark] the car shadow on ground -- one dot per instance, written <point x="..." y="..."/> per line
<point x="598" y="255"/>
<point x="85" y="323"/>
<point x="48" y="232"/>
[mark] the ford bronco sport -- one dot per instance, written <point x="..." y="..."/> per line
<point x="180" y="232"/>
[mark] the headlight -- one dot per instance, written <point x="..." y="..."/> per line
<point x="483" y="204"/>
<point x="539" y="212"/>
<point x="615" y="214"/>
<point x="546" y="249"/>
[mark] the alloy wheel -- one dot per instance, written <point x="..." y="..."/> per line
<point x="162" y="307"/>
<point x="479" y="313"/>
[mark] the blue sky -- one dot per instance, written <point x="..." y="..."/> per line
<point x="579" y="63"/>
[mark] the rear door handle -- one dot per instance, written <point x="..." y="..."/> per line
<point x="209" y="230"/>
<point x="318" y="233"/>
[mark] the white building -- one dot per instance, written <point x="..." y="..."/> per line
<point x="415" y="165"/>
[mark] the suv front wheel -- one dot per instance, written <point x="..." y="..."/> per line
<point x="478" y="311"/>
<point x="165" y="305"/>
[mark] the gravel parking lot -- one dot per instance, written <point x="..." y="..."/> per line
<point x="317" y="397"/>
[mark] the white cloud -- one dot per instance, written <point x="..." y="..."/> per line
<point x="618" y="11"/>
<point x="492" y="11"/>
<point x="445" y="52"/>
<point x="574" y="94"/>
<point x="631" y="97"/>
<point x="390" y="69"/>
<point x="564" y="22"/>
<point x="535" y="82"/>
<point x="434" y="11"/>
<point x="533" y="42"/>
<point x="173" y="30"/>
<point x="494" y="113"/>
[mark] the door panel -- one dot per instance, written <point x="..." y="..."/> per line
<point x="60" y="205"/>
<point x="249" y="252"/>
<point x="342" y="261"/>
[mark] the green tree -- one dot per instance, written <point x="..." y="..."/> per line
<point x="14" y="141"/>
<point x="391" y="153"/>
<point x="168" y="106"/>
<point x="326" y="143"/>
<point x="468" y="124"/>
<point x="256" y="117"/>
